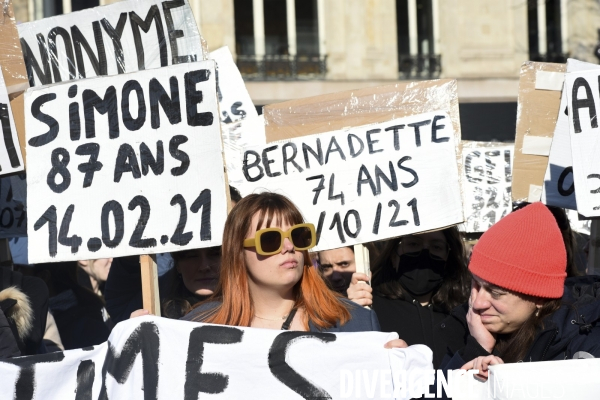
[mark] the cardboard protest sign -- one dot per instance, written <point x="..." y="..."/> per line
<point x="123" y="37"/>
<point x="13" y="208"/>
<point x="539" y="101"/>
<point x="582" y="99"/>
<point x="487" y="177"/>
<point x="170" y="359"/>
<point x="365" y="183"/>
<point x="11" y="56"/>
<point x="11" y="159"/>
<point x="559" y="190"/>
<point x="234" y="99"/>
<point x="147" y="142"/>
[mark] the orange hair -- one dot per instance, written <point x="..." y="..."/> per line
<point x="322" y="306"/>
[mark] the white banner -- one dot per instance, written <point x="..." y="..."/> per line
<point x="158" y="358"/>
<point x="366" y="183"/>
<point x="234" y="100"/>
<point x="10" y="153"/>
<point x="582" y="100"/>
<point x="559" y="190"/>
<point x="487" y="177"/>
<point x="126" y="36"/>
<point x="13" y="206"/>
<point x="125" y="165"/>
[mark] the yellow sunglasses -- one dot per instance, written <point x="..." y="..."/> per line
<point x="269" y="241"/>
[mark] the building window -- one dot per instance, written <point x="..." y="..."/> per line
<point x="416" y="22"/>
<point x="546" y="24"/>
<point x="281" y="41"/>
<point x="58" y="7"/>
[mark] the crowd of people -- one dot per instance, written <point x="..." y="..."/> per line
<point x="516" y="297"/>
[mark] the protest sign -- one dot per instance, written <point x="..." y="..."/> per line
<point x="582" y="100"/>
<point x="11" y="159"/>
<point x="159" y="358"/>
<point x="234" y="99"/>
<point x="558" y="181"/>
<point x="539" y="100"/>
<point x="123" y="37"/>
<point x="365" y="183"/>
<point x="97" y="146"/>
<point x="236" y="136"/>
<point x="13" y="208"/>
<point x="487" y="177"/>
<point x="11" y="56"/>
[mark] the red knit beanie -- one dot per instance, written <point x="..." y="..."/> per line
<point x="523" y="252"/>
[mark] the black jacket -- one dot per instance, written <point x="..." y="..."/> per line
<point x="37" y="292"/>
<point x="574" y="327"/>
<point x="414" y="323"/>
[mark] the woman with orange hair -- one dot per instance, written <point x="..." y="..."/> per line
<point x="267" y="279"/>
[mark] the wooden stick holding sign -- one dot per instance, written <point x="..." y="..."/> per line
<point x="150" y="294"/>
<point x="363" y="263"/>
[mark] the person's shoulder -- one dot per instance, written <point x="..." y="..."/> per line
<point x="361" y="318"/>
<point x="202" y="311"/>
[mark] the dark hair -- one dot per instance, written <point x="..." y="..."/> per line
<point x="453" y="291"/>
<point x="562" y="220"/>
<point x="234" y="194"/>
<point x="513" y="347"/>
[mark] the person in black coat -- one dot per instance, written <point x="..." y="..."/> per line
<point x="24" y="304"/>
<point x="521" y="308"/>
<point x="417" y="281"/>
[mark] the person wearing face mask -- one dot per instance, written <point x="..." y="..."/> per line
<point x="337" y="267"/>
<point x="417" y="281"/>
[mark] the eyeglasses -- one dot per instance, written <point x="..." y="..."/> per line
<point x="412" y="246"/>
<point x="269" y="241"/>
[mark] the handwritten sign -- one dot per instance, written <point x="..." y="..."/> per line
<point x="365" y="183"/>
<point x="582" y="101"/>
<point x="487" y="177"/>
<point x="559" y="190"/>
<point x="158" y="358"/>
<point x="234" y="99"/>
<point x="123" y="37"/>
<point x="10" y="154"/>
<point x="125" y="165"/>
<point x="13" y="208"/>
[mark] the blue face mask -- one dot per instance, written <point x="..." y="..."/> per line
<point x="420" y="274"/>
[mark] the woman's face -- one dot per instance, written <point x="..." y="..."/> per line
<point x="200" y="269"/>
<point x="97" y="269"/>
<point x="280" y="271"/>
<point x="435" y="242"/>
<point x="501" y="311"/>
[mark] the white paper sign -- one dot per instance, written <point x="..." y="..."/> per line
<point x="10" y="153"/>
<point x="237" y="136"/>
<point x="159" y="358"/>
<point x="126" y="36"/>
<point x="487" y="177"/>
<point x="234" y="99"/>
<point x="366" y="183"/>
<point x="558" y="182"/>
<point x="124" y="165"/>
<point x="13" y="208"/>
<point x="582" y="100"/>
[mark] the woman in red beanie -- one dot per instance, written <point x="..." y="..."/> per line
<point x="521" y="308"/>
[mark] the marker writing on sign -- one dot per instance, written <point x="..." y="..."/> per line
<point x="145" y="342"/>
<point x="48" y="70"/>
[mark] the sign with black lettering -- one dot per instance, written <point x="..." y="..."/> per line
<point x="234" y="99"/>
<point x="365" y="183"/>
<point x="13" y="208"/>
<point x="583" y="99"/>
<point x="559" y="190"/>
<point x="487" y="180"/>
<point x="125" y="165"/>
<point x="126" y="36"/>
<point x="159" y="358"/>
<point x="10" y="153"/>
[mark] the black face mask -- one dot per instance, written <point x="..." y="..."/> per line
<point x="421" y="274"/>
